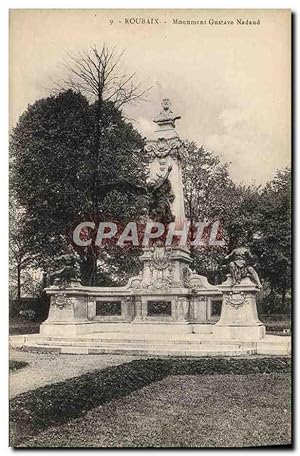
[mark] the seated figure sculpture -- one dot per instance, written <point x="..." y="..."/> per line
<point x="240" y="267"/>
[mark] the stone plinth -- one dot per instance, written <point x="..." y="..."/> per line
<point x="239" y="319"/>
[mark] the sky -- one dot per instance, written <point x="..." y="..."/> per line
<point x="229" y="82"/>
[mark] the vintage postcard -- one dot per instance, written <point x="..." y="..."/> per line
<point x="150" y="228"/>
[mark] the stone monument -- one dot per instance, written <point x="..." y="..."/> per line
<point x="167" y="296"/>
<point x="167" y="308"/>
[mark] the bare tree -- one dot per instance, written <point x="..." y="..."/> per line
<point x="98" y="75"/>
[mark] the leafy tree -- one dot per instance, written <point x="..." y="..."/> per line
<point x="210" y="195"/>
<point x="66" y="147"/>
<point x="207" y="185"/>
<point x="272" y="242"/>
<point x="249" y="215"/>
<point x="54" y="174"/>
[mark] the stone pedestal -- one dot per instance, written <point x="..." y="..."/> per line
<point x="164" y="267"/>
<point x="239" y="319"/>
<point x="67" y="314"/>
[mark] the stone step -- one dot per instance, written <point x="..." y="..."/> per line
<point x="148" y="343"/>
<point x="145" y="345"/>
<point x="128" y="340"/>
<point x="154" y="351"/>
<point x="134" y="344"/>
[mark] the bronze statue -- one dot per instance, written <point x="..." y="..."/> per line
<point x="240" y="267"/>
<point x="157" y="192"/>
<point x="159" y="199"/>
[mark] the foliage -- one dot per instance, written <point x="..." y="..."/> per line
<point x="56" y="176"/>
<point x="210" y="195"/>
<point x="21" y="326"/>
<point x="272" y="243"/>
<point x="259" y="218"/>
<point x="65" y="149"/>
<point x="207" y="185"/>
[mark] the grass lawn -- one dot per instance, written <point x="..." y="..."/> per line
<point x="21" y="326"/>
<point x="186" y="411"/>
<point x="161" y="403"/>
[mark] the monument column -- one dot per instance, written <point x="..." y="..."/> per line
<point x="165" y="162"/>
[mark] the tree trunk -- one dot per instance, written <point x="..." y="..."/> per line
<point x="283" y="297"/>
<point x="44" y="279"/>
<point x="93" y="276"/>
<point x="19" y="282"/>
<point x="88" y="270"/>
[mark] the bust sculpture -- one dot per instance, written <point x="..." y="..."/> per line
<point x="166" y="115"/>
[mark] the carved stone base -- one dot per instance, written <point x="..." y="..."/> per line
<point x="166" y="297"/>
<point x="239" y="319"/>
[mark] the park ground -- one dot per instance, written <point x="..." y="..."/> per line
<point x="121" y="401"/>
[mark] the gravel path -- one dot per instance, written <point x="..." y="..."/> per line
<point x="46" y="368"/>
